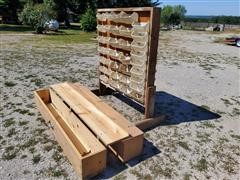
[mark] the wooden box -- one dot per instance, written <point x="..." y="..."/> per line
<point x="85" y="152"/>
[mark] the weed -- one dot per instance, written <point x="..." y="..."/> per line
<point x="186" y="176"/>
<point x="26" y="172"/>
<point x="23" y="123"/>
<point x="56" y="172"/>
<point x="48" y="148"/>
<point x="184" y="145"/>
<point x="22" y="111"/>
<point x="237" y="137"/>
<point x="205" y="107"/>
<point x="208" y="124"/>
<point x="201" y="165"/>
<point x="204" y="137"/>
<point x="9" y="153"/>
<point x="235" y="112"/>
<point x="9" y="122"/>
<point x="9" y="84"/>
<point x="120" y="177"/>
<point x="31" y="114"/>
<point x="39" y="131"/>
<point x="230" y="164"/>
<point x="36" y="158"/>
<point x="226" y="102"/>
<point x="32" y="150"/>
<point x="136" y="173"/>
<point x="11" y="132"/>
<point x="38" y="82"/>
<point x="31" y="142"/>
<point x="23" y="156"/>
<point x="56" y="156"/>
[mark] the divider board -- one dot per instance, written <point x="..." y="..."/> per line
<point x="127" y="45"/>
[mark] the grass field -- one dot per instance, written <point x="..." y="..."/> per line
<point x="63" y="36"/>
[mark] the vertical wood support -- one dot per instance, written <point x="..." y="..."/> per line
<point x="150" y="102"/>
<point x="152" y="61"/>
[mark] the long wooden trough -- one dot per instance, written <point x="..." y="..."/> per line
<point x="85" y="127"/>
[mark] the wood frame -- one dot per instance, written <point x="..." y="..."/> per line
<point x="151" y="14"/>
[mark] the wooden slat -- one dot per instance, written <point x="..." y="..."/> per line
<point x="102" y="126"/>
<point x="126" y="9"/>
<point x="77" y="134"/>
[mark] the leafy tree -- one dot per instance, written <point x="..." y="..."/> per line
<point x="166" y="13"/>
<point x="37" y="15"/>
<point x="9" y="9"/>
<point x="124" y="3"/>
<point x="88" y="20"/>
<point x="173" y="15"/>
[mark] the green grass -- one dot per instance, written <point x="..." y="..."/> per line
<point x="62" y="37"/>
<point x="10" y="28"/>
<point x="69" y="36"/>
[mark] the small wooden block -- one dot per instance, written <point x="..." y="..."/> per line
<point x="150" y="123"/>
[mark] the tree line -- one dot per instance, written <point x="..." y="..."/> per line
<point x="215" y="19"/>
<point x="66" y="9"/>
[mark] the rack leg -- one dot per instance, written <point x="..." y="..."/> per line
<point x="150" y="102"/>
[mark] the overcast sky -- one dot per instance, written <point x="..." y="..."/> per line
<point x="208" y="7"/>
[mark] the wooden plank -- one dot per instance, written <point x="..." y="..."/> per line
<point x="102" y="126"/>
<point x="79" y="134"/>
<point x="152" y="61"/>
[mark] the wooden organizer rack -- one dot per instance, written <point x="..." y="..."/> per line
<point x="128" y="42"/>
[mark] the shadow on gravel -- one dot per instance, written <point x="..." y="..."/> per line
<point x="114" y="166"/>
<point x="176" y="109"/>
